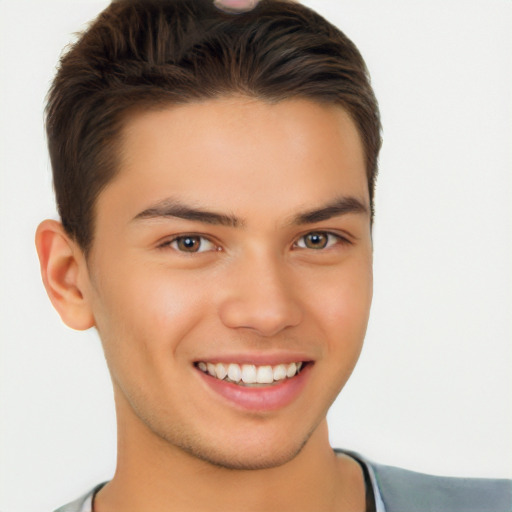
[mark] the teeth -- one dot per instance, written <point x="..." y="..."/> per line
<point x="211" y="369"/>
<point x="250" y="373"/>
<point x="291" y="370"/>
<point x="220" y="370"/>
<point x="234" y="373"/>
<point x="280" y="372"/>
<point x="265" y="375"/>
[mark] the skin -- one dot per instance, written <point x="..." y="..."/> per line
<point x="254" y="289"/>
<point x="235" y="5"/>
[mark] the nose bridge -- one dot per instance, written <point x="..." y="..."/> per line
<point x="259" y="294"/>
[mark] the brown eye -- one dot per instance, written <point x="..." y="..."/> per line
<point x="188" y="243"/>
<point x="192" y="244"/>
<point x="315" y="240"/>
<point x="318" y="240"/>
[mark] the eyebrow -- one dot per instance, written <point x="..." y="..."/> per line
<point x="169" y="208"/>
<point x="172" y="208"/>
<point x="340" y="206"/>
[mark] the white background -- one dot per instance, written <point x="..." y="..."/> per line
<point x="433" y="388"/>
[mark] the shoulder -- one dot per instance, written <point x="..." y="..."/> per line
<point x="82" y="504"/>
<point x="408" y="491"/>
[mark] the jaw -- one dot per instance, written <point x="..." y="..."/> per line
<point x="274" y="481"/>
<point x="227" y="428"/>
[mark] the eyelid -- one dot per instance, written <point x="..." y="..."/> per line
<point x="340" y="239"/>
<point x="168" y="242"/>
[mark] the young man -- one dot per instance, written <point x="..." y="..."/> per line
<point x="215" y="174"/>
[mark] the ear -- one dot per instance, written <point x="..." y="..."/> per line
<point x="65" y="274"/>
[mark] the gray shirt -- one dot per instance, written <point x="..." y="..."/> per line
<point x="391" y="489"/>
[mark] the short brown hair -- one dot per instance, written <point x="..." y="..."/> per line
<point x="152" y="53"/>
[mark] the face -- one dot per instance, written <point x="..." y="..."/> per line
<point x="230" y="277"/>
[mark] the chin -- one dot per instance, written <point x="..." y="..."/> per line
<point x="249" y="460"/>
<point x="254" y="445"/>
<point x="242" y="454"/>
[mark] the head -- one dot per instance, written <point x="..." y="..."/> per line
<point x="148" y="54"/>
<point x="215" y="175"/>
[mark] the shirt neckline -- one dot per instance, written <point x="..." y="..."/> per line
<point x="370" y="481"/>
<point x="370" y="478"/>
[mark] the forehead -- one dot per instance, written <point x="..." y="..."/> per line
<point x="239" y="152"/>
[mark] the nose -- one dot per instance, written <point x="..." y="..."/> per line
<point x="259" y="295"/>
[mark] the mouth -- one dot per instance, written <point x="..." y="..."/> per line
<point x="252" y="375"/>
<point x="260" y="384"/>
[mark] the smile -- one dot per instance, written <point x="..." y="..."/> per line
<point x="250" y="375"/>
<point x="259" y="387"/>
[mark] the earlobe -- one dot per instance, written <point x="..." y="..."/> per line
<point x="63" y="270"/>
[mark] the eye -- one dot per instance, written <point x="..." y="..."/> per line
<point x="319" y="240"/>
<point x="190" y="244"/>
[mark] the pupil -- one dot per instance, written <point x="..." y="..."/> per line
<point x="189" y="243"/>
<point x="316" y="240"/>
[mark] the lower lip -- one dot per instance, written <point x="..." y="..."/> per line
<point x="268" y="398"/>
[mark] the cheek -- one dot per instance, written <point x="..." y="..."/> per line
<point x="342" y="306"/>
<point x="148" y="311"/>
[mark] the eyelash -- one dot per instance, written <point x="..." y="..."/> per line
<point x="172" y="244"/>
<point x="332" y="239"/>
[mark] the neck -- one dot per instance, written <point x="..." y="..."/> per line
<point x="152" y="474"/>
